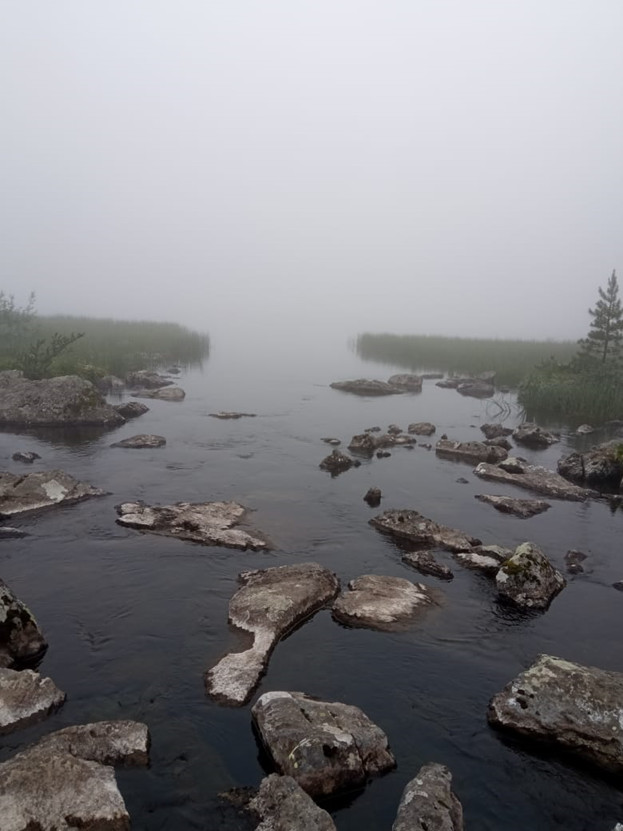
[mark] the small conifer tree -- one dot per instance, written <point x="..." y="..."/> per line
<point x="604" y="342"/>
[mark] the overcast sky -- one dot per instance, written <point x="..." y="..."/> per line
<point x="425" y="166"/>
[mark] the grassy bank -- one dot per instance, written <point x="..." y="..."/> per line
<point x="512" y="360"/>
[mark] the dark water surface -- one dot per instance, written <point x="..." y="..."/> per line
<point x="134" y="620"/>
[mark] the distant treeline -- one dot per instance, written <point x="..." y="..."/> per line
<point x="511" y="360"/>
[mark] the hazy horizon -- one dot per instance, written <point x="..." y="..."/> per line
<point x="275" y="169"/>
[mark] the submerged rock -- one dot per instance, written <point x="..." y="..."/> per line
<point x="337" y="462"/>
<point x="270" y="603"/>
<point x="574" y="560"/>
<point x="412" y="526"/>
<point x="523" y="508"/>
<point x="534" y="478"/>
<point x="428" y="802"/>
<point x="331" y="440"/>
<point x="362" y="386"/>
<point x="227" y="415"/>
<point x="469" y="451"/>
<point x="282" y="805"/>
<point x="378" y="602"/>
<point x="21" y="639"/>
<point x="33" y="491"/>
<point x="421" y="428"/>
<point x="65" y="781"/>
<point x="574" y="707"/>
<point x="209" y="523"/>
<point x="425" y="563"/>
<point x="65" y="401"/>
<point x="164" y="394"/>
<point x="601" y="467"/>
<point x="325" y="746"/>
<point x="528" y="579"/>
<point x="26" y="697"/>
<point x="410" y="382"/>
<point x="131" y="409"/>
<point x="532" y="435"/>
<point x="7" y="532"/>
<point x="28" y="457"/>
<point x="141" y="441"/>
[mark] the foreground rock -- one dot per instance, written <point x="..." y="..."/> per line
<point x="425" y="563"/>
<point x="601" y="467"/>
<point x="65" y="781"/>
<point x="210" y="523"/>
<point x="131" y="409"/>
<point x="574" y="707"/>
<point x="33" y="491"/>
<point x="379" y="602"/>
<point x="141" y="441"/>
<point x="270" y="603"/>
<point x="227" y="415"/>
<point x="282" y="805"/>
<point x="21" y="639"/>
<point x="470" y="451"/>
<point x="523" y="508"/>
<point x="362" y="386"/>
<point x="412" y="526"/>
<point x="533" y="478"/>
<point x="531" y="435"/>
<point x="326" y="746"/>
<point x="408" y="381"/>
<point x="428" y="802"/>
<point x="164" y="394"/>
<point x="337" y="462"/>
<point x="26" y="697"/>
<point x="528" y="579"/>
<point x="66" y="401"/>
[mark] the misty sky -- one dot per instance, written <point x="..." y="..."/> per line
<point x="426" y="166"/>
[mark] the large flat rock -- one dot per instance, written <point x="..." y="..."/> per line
<point x="209" y="523"/>
<point x="428" y="802"/>
<point x="270" y="603"/>
<point x="522" y="508"/>
<point x="363" y="386"/>
<point x="21" y="640"/>
<point x="326" y="746"/>
<point x="26" y="697"/>
<point x="45" y="489"/>
<point x="282" y="805"/>
<point x="469" y="451"/>
<point x="65" y="781"/>
<point x="412" y="526"/>
<point x="534" y="478"/>
<point x="380" y="602"/>
<point x="577" y="708"/>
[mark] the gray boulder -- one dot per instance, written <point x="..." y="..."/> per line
<point x="337" y="462"/>
<point x="428" y="802"/>
<point x="523" y="508"/>
<point x="21" y="639"/>
<point x="164" y="394"/>
<point x="476" y="388"/>
<point x="209" y="523"/>
<point x="146" y="379"/>
<point x="27" y="457"/>
<point x="574" y="707"/>
<point x="500" y="441"/>
<point x="495" y="430"/>
<point x="282" y="805"/>
<point x="528" y="579"/>
<point x="601" y="467"/>
<point x="325" y="746"/>
<point x="141" y="441"/>
<point x="373" y="497"/>
<point x="65" y="781"/>
<point x="469" y="451"/>
<point x="34" y="491"/>
<point x="408" y="381"/>
<point x="412" y="526"/>
<point x="421" y="428"/>
<point x="425" y="563"/>
<point x="66" y="401"/>
<point x="131" y="409"/>
<point x="26" y="697"/>
<point x="533" y="478"/>
<point x="362" y="386"/>
<point x="385" y="603"/>
<point x="270" y="603"/>
<point x="531" y="435"/>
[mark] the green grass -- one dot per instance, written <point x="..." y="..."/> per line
<point x="511" y="360"/>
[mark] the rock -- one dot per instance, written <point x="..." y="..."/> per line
<point x="66" y="401"/>
<point x="449" y="383"/>
<point x="495" y="431"/>
<point x="394" y="430"/>
<point x="108" y="384"/>
<point x="270" y="603"/>
<point x="484" y="558"/>
<point x="20" y="638"/>
<point x="523" y="508"/>
<point x="375" y="430"/>
<point x="385" y="603"/>
<point x="226" y="415"/>
<point x="425" y="563"/>
<point x="33" y="491"/>
<point x="576" y="708"/>
<point x="513" y="465"/>
<point x="209" y="523"/>
<point x="601" y="467"/>
<point x="469" y="451"/>
<point x="146" y="379"/>
<point x="534" y="478"/>
<point x="373" y="497"/>
<point x="141" y="441"/>
<point x="65" y="781"/>
<point x="9" y="533"/>
<point x="383" y="454"/>
<point x="411" y="383"/>
<point x="131" y="409"/>
<point x="532" y="435"/>
<point x="337" y="462"/>
<point x="412" y="526"/>
<point x="325" y="746"/>
<point x="173" y="370"/>
<point x="574" y="560"/>
<point x="462" y="481"/>
<point x="499" y="442"/>
<point x="28" y="457"/>
<point x="364" y="443"/>
<point x="421" y="428"/>
<point x="476" y="388"/>
<point x="528" y="579"/>
<point x="330" y="440"/>
<point x="618" y="585"/>
<point x="166" y="394"/>
<point x="25" y="698"/>
<point x="282" y="805"/>
<point x="362" y="386"/>
<point x="428" y="802"/>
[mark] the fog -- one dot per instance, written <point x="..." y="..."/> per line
<point x="274" y="168"/>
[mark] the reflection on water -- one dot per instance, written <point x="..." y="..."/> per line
<point x="134" y="620"/>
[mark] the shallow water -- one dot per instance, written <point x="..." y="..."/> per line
<point x="134" y="620"/>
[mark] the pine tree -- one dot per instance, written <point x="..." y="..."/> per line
<point x="604" y="342"/>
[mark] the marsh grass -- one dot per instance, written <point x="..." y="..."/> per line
<point x="511" y="360"/>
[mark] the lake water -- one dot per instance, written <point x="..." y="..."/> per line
<point x="134" y="620"/>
